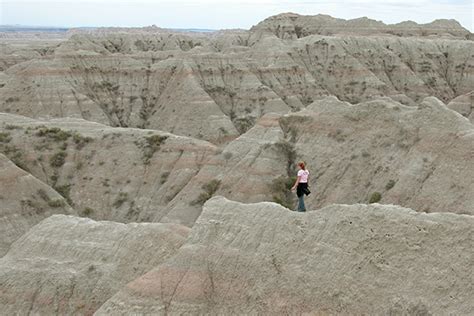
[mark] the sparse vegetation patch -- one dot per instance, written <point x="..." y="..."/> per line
<point x="58" y="159"/>
<point x="208" y="191"/>
<point x="122" y="198"/>
<point x="390" y="184"/>
<point x="151" y="145"/>
<point x="375" y="197"/>
<point x="54" y="133"/>
<point x="80" y="140"/>
<point x="280" y="188"/>
<point x="5" y="137"/>
<point x="65" y="191"/>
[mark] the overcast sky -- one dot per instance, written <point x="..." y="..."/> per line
<point x="219" y="14"/>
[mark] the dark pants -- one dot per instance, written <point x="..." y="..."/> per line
<point x="300" y="193"/>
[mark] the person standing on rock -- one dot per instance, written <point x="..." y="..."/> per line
<point x="301" y="185"/>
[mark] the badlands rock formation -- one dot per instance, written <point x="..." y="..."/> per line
<point x="68" y="265"/>
<point x="109" y="173"/>
<point x="24" y="201"/>
<point x="354" y="151"/>
<point x="342" y="259"/>
<point x="135" y="129"/>
<point x="223" y="82"/>
<point x="292" y="26"/>
<point x="464" y="105"/>
<point x="383" y="146"/>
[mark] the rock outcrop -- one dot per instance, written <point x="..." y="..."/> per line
<point x="342" y="259"/>
<point x="464" y="105"/>
<point x="141" y="127"/>
<point x="418" y="157"/>
<point x="293" y="26"/>
<point x="217" y="85"/>
<point x="24" y="201"/>
<point x="68" y="265"/>
<point x="111" y="173"/>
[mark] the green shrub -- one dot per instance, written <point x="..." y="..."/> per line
<point x="227" y="155"/>
<point x="12" y="99"/>
<point x="65" y="191"/>
<point x="56" y="203"/>
<point x="54" y="178"/>
<point x="223" y="131"/>
<point x="79" y="165"/>
<point x="152" y="145"/>
<point x="243" y="124"/>
<point x="390" y="184"/>
<point x="289" y="151"/>
<point x="87" y="211"/>
<point x="280" y="188"/>
<point x="338" y="135"/>
<point x="155" y="141"/>
<point x="15" y="155"/>
<point x="122" y="198"/>
<point x="209" y="189"/>
<point x="42" y="193"/>
<point x="32" y="204"/>
<point x="10" y="127"/>
<point x="80" y="140"/>
<point x="105" y="85"/>
<point x="58" y="159"/>
<point x="164" y="177"/>
<point x="51" y="202"/>
<point x="375" y="197"/>
<point x="5" y="137"/>
<point x="54" y="133"/>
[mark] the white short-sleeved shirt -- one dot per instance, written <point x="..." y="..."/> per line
<point x="304" y="175"/>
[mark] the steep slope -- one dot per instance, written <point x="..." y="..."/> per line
<point x="418" y="157"/>
<point x="464" y="105"/>
<point x="24" y="200"/>
<point x="292" y="26"/>
<point x="357" y="68"/>
<point x="111" y="173"/>
<point x="263" y="259"/>
<point x="217" y="86"/>
<point x="16" y="50"/>
<point x="67" y="265"/>
<point x="126" y="41"/>
<point x="245" y="168"/>
<point x="144" y="175"/>
<point x="118" y="90"/>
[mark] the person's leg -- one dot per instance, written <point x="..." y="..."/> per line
<point x="301" y="206"/>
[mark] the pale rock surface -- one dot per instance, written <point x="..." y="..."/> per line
<point x="293" y="25"/>
<point x="464" y="105"/>
<point x="24" y="201"/>
<point x="120" y="174"/>
<point x="352" y="152"/>
<point x="68" y="265"/>
<point x="147" y="124"/>
<point x="418" y="157"/>
<point x="342" y="259"/>
<point x="217" y="85"/>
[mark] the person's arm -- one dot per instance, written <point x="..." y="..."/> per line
<point x="296" y="183"/>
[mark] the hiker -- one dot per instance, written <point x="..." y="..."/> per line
<point x="301" y="186"/>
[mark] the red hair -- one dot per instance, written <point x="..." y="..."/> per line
<point x="301" y="164"/>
